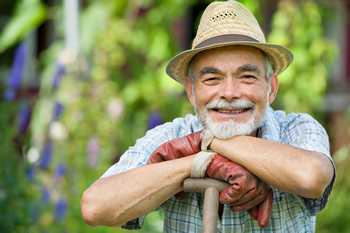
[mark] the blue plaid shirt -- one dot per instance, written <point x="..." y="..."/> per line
<point x="290" y="212"/>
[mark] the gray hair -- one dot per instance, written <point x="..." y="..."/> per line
<point x="268" y="68"/>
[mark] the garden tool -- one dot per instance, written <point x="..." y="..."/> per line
<point x="210" y="188"/>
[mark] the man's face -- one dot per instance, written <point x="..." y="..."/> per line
<point x="230" y="91"/>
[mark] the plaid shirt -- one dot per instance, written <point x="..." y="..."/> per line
<point x="290" y="213"/>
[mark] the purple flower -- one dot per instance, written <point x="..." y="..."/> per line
<point x="45" y="195"/>
<point x="57" y="111"/>
<point x="24" y="118"/>
<point x="93" y="150"/>
<point x="30" y="173"/>
<point x="60" y="70"/>
<point x="60" y="170"/>
<point x="154" y="120"/>
<point x="60" y="209"/>
<point x="16" y="74"/>
<point x="46" y="155"/>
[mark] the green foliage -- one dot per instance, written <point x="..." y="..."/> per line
<point x="29" y="15"/>
<point x="335" y="218"/>
<point x="15" y="190"/>
<point x="130" y="56"/>
<point x="108" y="94"/>
<point x="298" y="26"/>
<point x="111" y="88"/>
<point x="254" y="6"/>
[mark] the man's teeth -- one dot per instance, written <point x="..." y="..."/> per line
<point x="232" y="111"/>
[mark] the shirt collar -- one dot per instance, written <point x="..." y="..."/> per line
<point x="270" y="128"/>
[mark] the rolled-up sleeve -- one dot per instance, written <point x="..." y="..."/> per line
<point x="305" y="132"/>
<point x="137" y="155"/>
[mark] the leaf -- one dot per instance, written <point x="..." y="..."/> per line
<point x="93" y="22"/>
<point x="28" y="16"/>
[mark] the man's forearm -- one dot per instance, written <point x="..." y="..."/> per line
<point x="285" y="167"/>
<point x="117" y="199"/>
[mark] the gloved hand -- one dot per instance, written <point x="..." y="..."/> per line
<point x="262" y="212"/>
<point x="246" y="191"/>
<point x="177" y="148"/>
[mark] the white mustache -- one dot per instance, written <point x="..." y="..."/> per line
<point x="236" y="104"/>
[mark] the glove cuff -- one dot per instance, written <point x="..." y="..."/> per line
<point x="200" y="163"/>
<point x="207" y="138"/>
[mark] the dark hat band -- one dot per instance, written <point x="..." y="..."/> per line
<point x="225" y="39"/>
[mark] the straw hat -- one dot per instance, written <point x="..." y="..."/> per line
<point x="223" y="24"/>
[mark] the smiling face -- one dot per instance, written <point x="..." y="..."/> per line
<point x="230" y="90"/>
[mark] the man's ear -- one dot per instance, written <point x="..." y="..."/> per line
<point x="273" y="88"/>
<point x="189" y="91"/>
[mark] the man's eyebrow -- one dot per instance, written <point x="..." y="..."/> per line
<point x="209" y="70"/>
<point x="249" y="68"/>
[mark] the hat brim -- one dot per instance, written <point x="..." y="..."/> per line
<point x="279" y="56"/>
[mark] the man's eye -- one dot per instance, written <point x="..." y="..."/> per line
<point x="211" y="80"/>
<point x="249" y="77"/>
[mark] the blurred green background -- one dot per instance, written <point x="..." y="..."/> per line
<point x="76" y="94"/>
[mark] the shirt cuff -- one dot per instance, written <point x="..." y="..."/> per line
<point x="134" y="224"/>
<point x="316" y="205"/>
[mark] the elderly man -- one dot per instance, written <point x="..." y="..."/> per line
<point x="278" y="165"/>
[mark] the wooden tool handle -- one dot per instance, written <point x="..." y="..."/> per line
<point x="200" y="185"/>
<point x="211" y="189"/>
<point x="210" y="210"/>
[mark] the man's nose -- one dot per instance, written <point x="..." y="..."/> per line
<point x="230" y="89"/>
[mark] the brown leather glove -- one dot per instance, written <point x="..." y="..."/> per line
<point x="241" y="195"/>
<point x="262" y="212"/>
<point x="177" y="148"/>
<point x="246" y="191"/>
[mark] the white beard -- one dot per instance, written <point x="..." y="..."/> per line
<point x="231" y="128"/>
